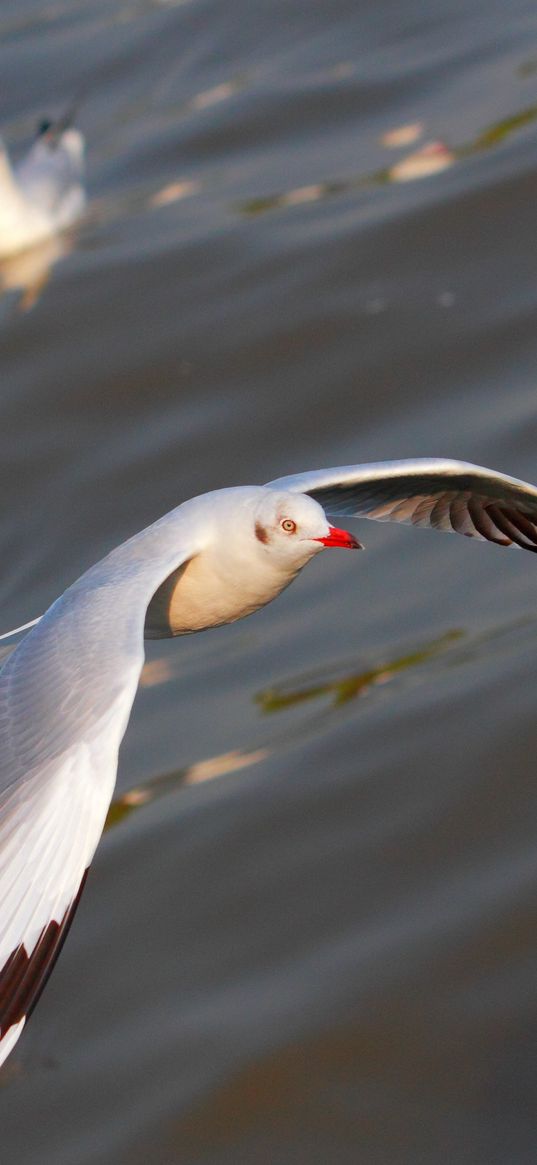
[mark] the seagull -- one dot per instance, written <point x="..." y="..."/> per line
<point x="43" y="194"/>
<point x="67" y="689"/>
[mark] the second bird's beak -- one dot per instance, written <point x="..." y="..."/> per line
<point x="340" y="538"/>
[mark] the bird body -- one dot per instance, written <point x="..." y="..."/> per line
<point x="234" y="577"/>
<point x="66" y="691"/>
<point x="43" y="194"/>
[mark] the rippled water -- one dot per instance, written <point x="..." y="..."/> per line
<point x="326" y="953"/>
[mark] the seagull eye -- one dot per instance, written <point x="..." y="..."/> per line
<point x="288" y="525"/>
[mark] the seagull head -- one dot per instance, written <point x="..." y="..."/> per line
<point x="291" y="528"/>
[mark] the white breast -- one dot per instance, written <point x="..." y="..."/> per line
<point x="213" y="589"/>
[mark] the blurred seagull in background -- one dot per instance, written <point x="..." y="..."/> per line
<point x="66" y="692"/>
<point x="42" y="194"/>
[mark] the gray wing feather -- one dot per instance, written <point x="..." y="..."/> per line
<point x="454" y="496"/>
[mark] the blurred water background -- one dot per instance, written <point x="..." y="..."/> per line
<point x="309" y="933"/>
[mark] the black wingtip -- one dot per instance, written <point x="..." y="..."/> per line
<point x="23" y="976"/>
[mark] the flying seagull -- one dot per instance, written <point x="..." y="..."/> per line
<point x="66" y="691"/>
<point x="43" y="193"/>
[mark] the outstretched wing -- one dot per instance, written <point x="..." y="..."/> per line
<point x="51" y="820"/>
<point x="66" y="694"/>
<point x="445" y="495"/>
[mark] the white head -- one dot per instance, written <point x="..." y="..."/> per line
<point x="292" y="527"/>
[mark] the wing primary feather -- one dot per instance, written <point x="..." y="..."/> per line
<point x="508" y="527"/>
<point x="525" y="525"/>
<point x="41" y="845"/>
<point x="484" y="523"/>
<point x="24" y="976"/>
<point x="440" y="517"/>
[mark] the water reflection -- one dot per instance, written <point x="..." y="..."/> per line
<point x="354" y="684"/>
<point x="496" y="133"/>
<point x="27" y="273"/>
<point x="158" y="787"/>
<point x="402" y="135"/>
<point x="455" y="648"/>
<point x="174" y="192"/>
<point x="338" y="686"/>
<point x="432" y="158"/>
<point x="340" y="691"/>
<point x="218" y="93"/>
<point x="106" y="211"/>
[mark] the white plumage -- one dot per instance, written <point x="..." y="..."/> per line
<point x="66" y="692"/>
<point x="42" y="194"/>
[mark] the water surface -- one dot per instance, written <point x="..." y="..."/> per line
<point x="326" y="952"/>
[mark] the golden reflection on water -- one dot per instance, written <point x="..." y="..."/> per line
<point x="341" y="687"/>
<point x="206" y="770"/>
<point x="433" y="158"/>
<point x="402" y="135"/>
<point x="174" y="192"/>
<point x="218" y="93"/>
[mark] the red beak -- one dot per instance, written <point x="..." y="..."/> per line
<point x="340" y="538"/>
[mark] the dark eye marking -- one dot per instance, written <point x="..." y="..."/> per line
<point x="261" y="533"/>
